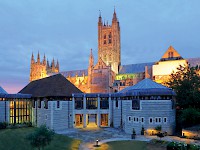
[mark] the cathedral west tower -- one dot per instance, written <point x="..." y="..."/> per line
<point x="109" y="49"/>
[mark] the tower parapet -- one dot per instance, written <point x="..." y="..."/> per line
<point x="109" y="49"/>
<point x="41" y="69"/>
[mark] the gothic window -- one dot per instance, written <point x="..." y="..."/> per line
<point x="110" y="35"/>
<point x="109" y="38"/>
<point x="172" y="54"/>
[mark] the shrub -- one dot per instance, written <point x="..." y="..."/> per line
<point x="142" y="131"/>
<point x="158" y="128"/>
<point x="41" y="137"/>
<point x="3" y="125"/>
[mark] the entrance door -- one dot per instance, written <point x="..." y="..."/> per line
<point x="92" y="120"/>
<point x="79" y="120"/>
<point x="104" y="119"/>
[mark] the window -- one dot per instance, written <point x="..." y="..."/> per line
<point x="104" y="36"/>
<point x="78" y="103"/>
<point x="165" y="119"/>
<point x="91" y="103"/>
<point x="150" y="120"/>
<point x="58" y="104"/>
<point x="46" y="104"/>
<point x="129" y="118"/>
<point x="116" y="103"/>
<point x="135" y="119"/>
<point x="104" y="103"/>
<point x="158" y="120"/>
<point x="104" y="42"/>
<point x="135" y="104"/>
<point x="39" y="103"/>
<point x="142" y="119"/>
<point x="33" y="103"/>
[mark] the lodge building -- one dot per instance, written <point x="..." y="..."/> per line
<point x="60" y="105"/>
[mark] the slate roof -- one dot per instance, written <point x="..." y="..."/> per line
<point x="73" y="73"/>
<point x="126" y="69"/>
<point x="2" y="91"/>
<point x="193" y="61"/>
<point x="148" y="87"/>
<point x="134" y="68"/>
<point x="56" y="85"/>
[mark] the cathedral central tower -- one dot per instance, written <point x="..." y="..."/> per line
<point x="109" y="49"/>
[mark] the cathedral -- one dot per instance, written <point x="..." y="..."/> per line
<point x="108" y="75"/>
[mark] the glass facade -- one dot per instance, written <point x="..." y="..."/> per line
<point x="20" y="111"/>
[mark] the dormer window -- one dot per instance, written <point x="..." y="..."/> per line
<point x="170" y="54"/>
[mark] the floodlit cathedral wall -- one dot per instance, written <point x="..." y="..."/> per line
<point x="41" y="69"/>
<point x="168" y="64"/>
<point x="108" y="75"/>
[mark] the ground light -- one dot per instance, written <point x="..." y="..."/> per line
<point x="97" y="144"/>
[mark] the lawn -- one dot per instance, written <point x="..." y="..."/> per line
<point x="130" y="145"/>
<point x="14" y="139"/>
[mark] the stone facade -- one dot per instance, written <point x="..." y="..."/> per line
<point x="108" y="75"/>
<point x="145" y="105"/>
<point x="42" y="69"/>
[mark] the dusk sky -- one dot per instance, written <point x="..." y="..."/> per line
<point x="67" y="30"/>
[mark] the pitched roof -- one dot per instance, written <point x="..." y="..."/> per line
<point x="171" y="54"/>
<point x="193" y="61"/>
<point x="148" y="87"/>
<point x="73" y="73"/>
<point x="56" y="85"/>
<point x="134" y="68"/>
<point x="2" y="91"/>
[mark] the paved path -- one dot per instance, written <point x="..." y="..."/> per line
<point x="88" y="136"/>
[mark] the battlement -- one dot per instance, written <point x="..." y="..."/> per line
<point x="41" y="69"/>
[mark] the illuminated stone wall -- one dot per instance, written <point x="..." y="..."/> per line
<point x="163" y="69"/>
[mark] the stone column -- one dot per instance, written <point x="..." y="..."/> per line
<point x="73" y="111"/>
<point x="110" y="111"/>
<point x="98" y="111"/>
<point x="84" y="112"/>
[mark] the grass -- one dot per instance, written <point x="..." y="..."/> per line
<point x="14" y="139"/>
<point x="130" y="145"/>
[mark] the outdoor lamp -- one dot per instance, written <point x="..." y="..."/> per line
<point x="97" y="142"/>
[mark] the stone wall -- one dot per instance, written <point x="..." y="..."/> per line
<point x="155" y="109"/>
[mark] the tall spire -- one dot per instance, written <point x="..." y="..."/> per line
<point x="32" y="59"/>
<point x="114" y="16"/>
<point x="48" y="63"/>
<point x="91" y="59"/>
<point x="44" y="60"/>
<point x="53" y="64"/>
<point x="57" y="65"/>
<point x="38" y="58"/>
<point x="100" y="19"/>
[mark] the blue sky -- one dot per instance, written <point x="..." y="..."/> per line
<point x="66" y="30"/>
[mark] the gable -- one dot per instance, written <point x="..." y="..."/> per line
<point x="100" y="64"/>
<point x="171" y="54"/>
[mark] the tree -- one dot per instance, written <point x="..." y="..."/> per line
<point x="41" y="137"/>
<point x="186" y="83"/>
